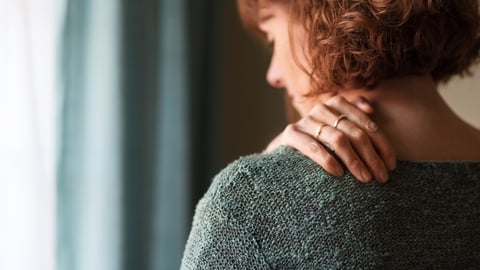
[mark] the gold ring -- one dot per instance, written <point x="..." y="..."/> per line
<point x="319" y="130"/>
<point x="340" y="118"/>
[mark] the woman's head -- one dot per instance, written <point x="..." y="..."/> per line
<point x="358" y="43"/>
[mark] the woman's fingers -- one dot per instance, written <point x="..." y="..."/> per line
<point x="296" y="138"/>
<point x="365" y="149"/>
<point x="340" y="143"/>
<point x="363" y="104"/>
<point x="357" y="136"/>
<point x="355" y="139"/>
<point x="379" y="141"/>
<point x="341" y="105"/>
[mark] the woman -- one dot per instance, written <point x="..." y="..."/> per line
<point x="281" y="210"/>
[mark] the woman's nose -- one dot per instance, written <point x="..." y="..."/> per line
<point x="274" y="75"/>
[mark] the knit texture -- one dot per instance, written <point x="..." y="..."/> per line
<point x="282" y="211"/>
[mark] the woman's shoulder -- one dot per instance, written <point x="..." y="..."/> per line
<point x="296" y="215"/>
<point x="260" y="170"/>
<point x="284" y="175"/>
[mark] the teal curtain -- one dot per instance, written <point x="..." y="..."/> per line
<point x="137" y="145"/>
<point x="90" y="158"/>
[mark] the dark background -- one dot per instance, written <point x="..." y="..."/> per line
<point x="244" y="112"/>
<point x="253" y="112"/>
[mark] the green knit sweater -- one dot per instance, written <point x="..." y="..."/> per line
<point x="282" y="211"/>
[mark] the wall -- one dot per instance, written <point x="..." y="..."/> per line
<point x="463" y="95"/>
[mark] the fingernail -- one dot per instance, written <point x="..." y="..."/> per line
<point x="372" y="127"/>
<point x="339" y="172"/>
<point x="367" y="176"/>
<point x="383" y="176"/>
<point x="363" y="101"/>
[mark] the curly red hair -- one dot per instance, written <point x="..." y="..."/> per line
<point x="358" y="43"/>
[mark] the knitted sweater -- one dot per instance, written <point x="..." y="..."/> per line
<point x="282" y="211"/>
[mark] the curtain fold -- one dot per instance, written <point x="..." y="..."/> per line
<point x="174" y="167"/>
<point x="188" y="115"/>
<point x="89" y="193"/>
<point x="135" y="155"/>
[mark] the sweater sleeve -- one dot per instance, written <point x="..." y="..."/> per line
<point x="218" y="240"/>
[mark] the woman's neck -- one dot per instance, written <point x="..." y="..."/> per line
<point x="418" y="121"/>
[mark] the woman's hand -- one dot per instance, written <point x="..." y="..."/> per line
<point x="356" y="140"/>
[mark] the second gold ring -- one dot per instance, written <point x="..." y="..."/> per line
<point x="340" y="118"/>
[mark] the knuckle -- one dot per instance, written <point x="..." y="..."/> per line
<point x="309" y="118"/>
<point x="313" y="147"/>
<point x="317" y="109"/>
<point x="339" y="139"/>
<point x="369" y="124"/>
<point x="364" y="121"/>
<point x="335" y="100"/>
<point x="359" y="135"/>
<point x="353" y="164"/>
<point x="289" y="130"/>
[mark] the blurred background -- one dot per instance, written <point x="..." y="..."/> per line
<point x="116" y="114"/>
